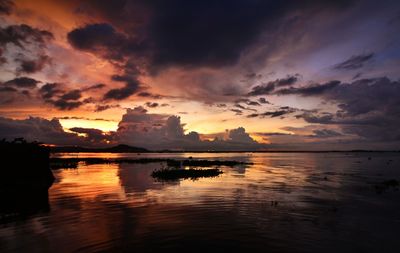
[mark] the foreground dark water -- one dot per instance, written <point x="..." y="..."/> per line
<point x="285" y="202"/>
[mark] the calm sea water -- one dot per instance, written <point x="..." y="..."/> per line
<point x="285" y="202"/>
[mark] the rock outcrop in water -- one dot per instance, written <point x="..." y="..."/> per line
<point x="25" y="177"/>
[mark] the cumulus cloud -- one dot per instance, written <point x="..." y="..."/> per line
<point x="137" y="127"/>
<point x="51" y="132"/>
<point x="158" y="131"/>
<point x="37" y="129"/>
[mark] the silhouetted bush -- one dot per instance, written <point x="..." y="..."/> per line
<point x="25" y="178"/>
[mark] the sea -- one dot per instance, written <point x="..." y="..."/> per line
<point x="281" y="202"/>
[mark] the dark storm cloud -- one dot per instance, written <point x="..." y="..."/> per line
<point x="367" y="108"/>
<point x="6" y="7"/>
<point x="183" y="33"/>
<point x="120" y="93"/>
<point x="202" y="36"/>
<point x="268" y="88"/>
<point x="32" y="66"/>
<point x="148" y="37"/>
<point x="102" y="39"/>
<point x="24" y="34"/>
<point x="132" y="85"/>
<point x="354" y="62"/>
<point x="312" y="90"/>
<point x="207" y="32"/>
<point x="22" y="82"/>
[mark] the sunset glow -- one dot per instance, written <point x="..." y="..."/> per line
<point x="255" y="75"/>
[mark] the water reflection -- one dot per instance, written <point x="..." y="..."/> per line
<point x="282" y="203"/>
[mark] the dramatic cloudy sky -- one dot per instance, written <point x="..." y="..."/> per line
<point x="200" y="75"/>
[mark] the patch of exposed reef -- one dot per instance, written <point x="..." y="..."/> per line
<point x="172" y="174"/>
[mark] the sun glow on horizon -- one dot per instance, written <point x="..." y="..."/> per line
<point x="104" y="125"/>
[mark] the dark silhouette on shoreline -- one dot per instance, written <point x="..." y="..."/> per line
<point x="25" y="178"/>
<point x="123" y="148"/>
<point x="72" y="163"/>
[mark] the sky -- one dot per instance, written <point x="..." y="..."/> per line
<point x="201" y="75"/>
